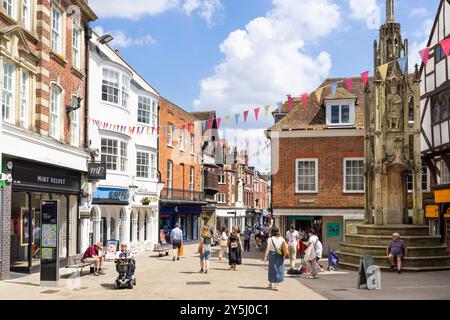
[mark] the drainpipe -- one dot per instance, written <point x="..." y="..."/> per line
<point x="88" y="36"/>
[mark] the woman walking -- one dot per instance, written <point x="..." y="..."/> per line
<point x="205" y="248"/>
<point x="275" y="254"/>
<point x="223" y="242"/>
<point x="311" y="253"/>
<point x="234" y="249"/>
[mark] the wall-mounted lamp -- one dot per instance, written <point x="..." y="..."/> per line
<point x="76" y="107"/>
<point x="105" y="39"/>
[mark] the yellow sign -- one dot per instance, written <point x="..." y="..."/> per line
<point x="432" y="211"/>
<point x="442" y="196"/>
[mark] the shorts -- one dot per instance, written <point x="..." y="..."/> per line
<point x="207" y="253"/>
<point x="176" y="244"/>
<point x="397" y="256"/>
<point x="89" y="260"/>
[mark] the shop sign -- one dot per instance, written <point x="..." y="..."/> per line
<point x="432" y="211"/>
<point x="96" y="171"/>
<point x="111" y="195"/>
<point x="85" y="213"/>
<point x="333" y="230"/>
<point x="442" y="196"/>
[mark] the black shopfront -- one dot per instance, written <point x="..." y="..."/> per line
<point x="32" y="183"/>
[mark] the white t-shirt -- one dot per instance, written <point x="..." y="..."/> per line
<point x="278" y="241"/>
<point x="177" y="234"/>
<point x="126" y="254"/>
<point x="292" y="238"/>
<point x="224" y="236"/>
<point x="317" y="245"/>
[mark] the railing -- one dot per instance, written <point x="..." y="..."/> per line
<point x="180" y="194"/>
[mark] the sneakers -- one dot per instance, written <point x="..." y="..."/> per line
<point x="101" y="272"/>
<point x="173" y="258"/>
<point x="206" y="271"/>
<point x="96" y="274"/>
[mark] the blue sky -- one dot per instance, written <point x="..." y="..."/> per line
<point x="232" y="55"/>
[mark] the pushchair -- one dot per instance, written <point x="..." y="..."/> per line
<point x="123" y="268"/>
<point x="333" y="260"/>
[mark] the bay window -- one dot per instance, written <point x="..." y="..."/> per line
<point x="154" y="113"/>
<point x="144" y="110"/>
<point x="8" y="92"/>
<point x="114" y="154"/>
<point x="123" y="156"/>
<point x="153" y="168"/>
<point x="125" y="90"/>
<point x="142" y="164"/>
<point x="110" y="86"/>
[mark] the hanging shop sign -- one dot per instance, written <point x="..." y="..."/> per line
<point x="49" y="243"/>
<point x="442" y="196"/>
<point x="96" y="171"/>
<point x="432" y="212"/>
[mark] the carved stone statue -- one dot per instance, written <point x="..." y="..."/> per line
<point x="394" y="103"/>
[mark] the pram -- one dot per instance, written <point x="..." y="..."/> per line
<point x="122" y="267"/>
<point x="333" y="260"/>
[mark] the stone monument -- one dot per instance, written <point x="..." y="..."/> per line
<point x="392" y="152"/>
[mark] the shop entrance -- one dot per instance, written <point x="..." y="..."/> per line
<point x="306" y="223"/>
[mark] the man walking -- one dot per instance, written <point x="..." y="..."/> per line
<point x="176" y="238"/>
<point x="292" y="237"/>
<point x="247" y="236"/>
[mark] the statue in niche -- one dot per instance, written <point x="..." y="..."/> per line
<point x="394" y="103"/>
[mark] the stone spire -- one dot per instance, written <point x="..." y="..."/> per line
<point x="390" y="11"/>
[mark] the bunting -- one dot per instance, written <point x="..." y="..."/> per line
<point x="425" y="55"/>
<point x="348" y="84"/>
<point x="333" y="88"/>
<point x="280" y="106"/>
<point x="445" y="45"/>
<point x="319" y="94"/>
<point x="402" y="63"/>
<point x="227" y="120"/>
<point x="236" y="118"/>
<point x="245" y="115"/>
<point x="266" y="110"/>
<point x="218" y="121"/>
<point x="365" y="78"/>
<point x="383" y="71"/>
<point x="290" y="103"/>
<point x="256" y="110"/>
<point x="305" y="100"/>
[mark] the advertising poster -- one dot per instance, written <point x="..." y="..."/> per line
<point x="24" y="226"/>
<point x="112" y="246"/>
<point x="47" y="254"/>
<point x="49" y="235"/>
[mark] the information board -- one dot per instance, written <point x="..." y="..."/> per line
<point x="49" y="243"/>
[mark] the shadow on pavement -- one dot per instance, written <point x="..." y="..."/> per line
<point x="25" y="283"/>
<point x="253" y="288"/>
<point x="108" y="286"/>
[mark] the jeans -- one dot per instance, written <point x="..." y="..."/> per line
<point x="247" y="245"/>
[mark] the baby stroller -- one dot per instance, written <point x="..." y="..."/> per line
<point x="333" y="260"/>
<point x="126" y="277"/>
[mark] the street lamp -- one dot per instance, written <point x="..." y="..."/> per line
<point x="105" y="39"/>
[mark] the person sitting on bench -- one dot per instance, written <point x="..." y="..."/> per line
<point x="92" y="255"/>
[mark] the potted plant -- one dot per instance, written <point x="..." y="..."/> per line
<point x="145" y="201"/>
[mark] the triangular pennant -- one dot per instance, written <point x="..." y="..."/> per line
<point x="266" y="110"/>
<point x="290" y="103"/>
<point x="349" y="84"/>
<point x="256" y="110"/>
<point x="425" y="55"/>
<point x="280" y="106"/>
<point x="383" y="71"/>
<point x="445" y="45"/>
<point x="203" y="126"/>
<point x="365" y="78"/>
<point x="236" y="117"/>
<point x="245" y="115"/>
<point x="333" y="88"/>
<point x="402" y="63"/>
<point x="153" y="130"/>
<point x="210" y="123"/>
<point x="227" y="120"/>
<point x="305" y="100"/>
<point x="218" y="121"/>
<point x="319" y="94"/>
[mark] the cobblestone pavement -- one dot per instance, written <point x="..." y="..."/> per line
<point x="161" y="278"/>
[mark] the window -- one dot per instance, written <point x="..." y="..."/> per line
<point x="142" y="164"/>
<point x="144" y="110"/>
<point x="110" y="153"/>
<point x="123" y="156"/>
<point x="192" y="143"/>
<point x="221" y="198"/>
<point x="169" y="178"/>
<point x="26" y="14"/>
<point x="10" y="7"/>
<point x="25" y="99"/>
<point x="233" y="198"/>
<point x="445" y="174"/>
<point x="222" y="179"/>
<point x="76" y="46"/>
<point x="191" y="179"/>
<point x="153" y="165"/>
<point x="353" y="175"/>
<point x="75" y="124"/>
<point x="154" y="113"/>
<point x="425" y="176"/>
<point x="306" y="175"/>
<point x="439" y="54"/>
<point x="110" y="86"/>
<point x="169" y="134"/>
<point x="340" y="114"/>
<point x="181" y="140"/>
<point x="8" y="92"/>
<point x="125" y="90"/>
<point x="55" y="110"/>
<point x="440" y="107"/>
<point x="56" y="30"/>
<point x="233" y="179"/>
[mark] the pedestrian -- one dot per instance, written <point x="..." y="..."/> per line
<point x="292" y="237"/>
<point x="234" y="249"/>
<point x="176" y="238"/>
<point x="247" y="237"/>
<point x="311" y="256"/>
<point x="223" y="242"/>
<point x="258" y="237"/>
<point x="275" y="254"/>
<point x="205" y="248"/>
<point x="396" y="250"/>
<point x="93" y="255"/>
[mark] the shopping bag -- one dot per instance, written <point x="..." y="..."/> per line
<point x="310" y="253"/>
<point x="181" y="251"/>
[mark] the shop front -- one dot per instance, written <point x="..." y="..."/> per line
<point x="32" y="183"/>
<point x="437" y="213"/>
<point x="187" y="216"/>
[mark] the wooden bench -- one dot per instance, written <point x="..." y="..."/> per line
<point x="162" y="248"/>
<point x="77" y="263"/>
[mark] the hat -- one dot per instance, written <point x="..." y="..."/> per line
<point x="99" y="244"/>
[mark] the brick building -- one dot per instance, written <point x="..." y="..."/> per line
<point x="43" y="72"/>
<point x="179" y="164"/>
<point x="318" y="163"/>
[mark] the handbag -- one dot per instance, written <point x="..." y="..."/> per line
<point x="201" y="248"/>
<point x="285" y="248"/>
<point x="278" y="251"/>
<point x="223" y="243"/>
<point x="181" y="251"/>
<point x="310" y="253"/>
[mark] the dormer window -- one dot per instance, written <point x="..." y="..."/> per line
<point x="340" y="112"/>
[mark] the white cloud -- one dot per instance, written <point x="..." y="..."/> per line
<point x="136" y="9"/>
<point x="121" y="40"/>
<point x="421" y="40"/>
<point x="418" y="13"/>
<point x="368" y="10"/>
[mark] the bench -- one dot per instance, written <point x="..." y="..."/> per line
<point x="77" y="263"/>
<point x="162" y="248"/>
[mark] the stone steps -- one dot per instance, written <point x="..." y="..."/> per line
<point x="408" y="262"/>
<point x="410" y="241"/>
<point x="375" y="250"/>
<point x="404" y="230"/>
<point x="408" y="269"/>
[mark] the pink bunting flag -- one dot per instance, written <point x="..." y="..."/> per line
<point x="218" y="121"/>
<point x="210" y="123"/>
<point x="245" y="115"/>
<point x="256" y="110"/>
<point x="349" y="84"/>
<point x="305" y="100"/>
<point x="290" y="102"/>
<point x="153" y="130"/>
<point x="445" y="45"/>
<point x="425" y="55"/>
<point x="365" y="78"/>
